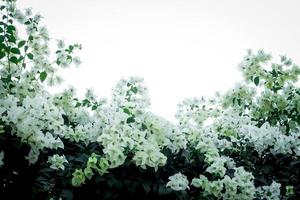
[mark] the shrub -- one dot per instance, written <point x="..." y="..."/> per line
<point x="243" y="144"/>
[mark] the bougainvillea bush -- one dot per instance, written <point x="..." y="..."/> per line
<point x="241" y="144"/>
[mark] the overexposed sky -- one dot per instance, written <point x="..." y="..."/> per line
<point x="182" y="48"/>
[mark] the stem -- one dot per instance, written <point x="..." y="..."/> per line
<point x="5" y="40"/>
<point x="23" y="63"/>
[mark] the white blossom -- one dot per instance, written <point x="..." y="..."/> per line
<point x="57" y="162"/>
<point x="178" y="182"/>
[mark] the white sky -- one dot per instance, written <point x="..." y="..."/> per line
<point x="182" y="48"/>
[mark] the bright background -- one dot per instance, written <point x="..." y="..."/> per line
<point x="182" y="48"/>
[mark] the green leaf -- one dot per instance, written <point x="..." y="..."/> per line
<point x="30" y="56"/>
<point x="21" y="43"/>
<point x="71" y="47"/>
<point x="147" y="187"/>
<point x="77" y="104"/>
<point x="144" y="127"/>
<point x="256" y="81"/>
<point x="115" y="183"/>
<point x="127" y="111"/>
<point x="2" y="47"/>
<point x="6" y="80"/>
<point x="2" y="54"/>
<point x="67" y="194"/>
<point x="85" y="102"/>
<point x="43" y="76"/>
<point x="69" y="58"/>
<point x="94" y="107"/>
<point x="134" y="89"/>
<point x="10" y="29"/>
<point x="163" y="190"/>
<point x="11" y="39"/>
<point x="14" y="60"/>
<point x="2" y="38"/>
<point x="130" y="120"/>
<point x="20" y="59"/>
<point x="239" y="101"/>
<point x="15" y="50"/>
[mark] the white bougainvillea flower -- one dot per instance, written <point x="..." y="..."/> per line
<point x="57" y="162"/>
<point x="178" y="182"/>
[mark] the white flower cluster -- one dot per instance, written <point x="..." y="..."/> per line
<point x="129" y="127"/>
<point x="241" y="186"/>
<point x="37" y="121"/>
<point x="131" y="94"/>
<point x="195" y="112"/>
<point x="206" y="140"/>
<point x="178" y="182"/>
<point x="145" y="137"/>
<point x="270" y="138"/>
<point x="271" y="192"/>
<point x="163" y="132"/>
<point x="57" y="162"/>
<point x="253" y="69"/>
<point x="208" y="144"/>
<point x="243" y="131"/>
<point x="239" y="98"/>
<point x="149" y="155"/>
<point x="251" y="66"/>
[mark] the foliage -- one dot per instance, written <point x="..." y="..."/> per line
<point x="243" y="144"/>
